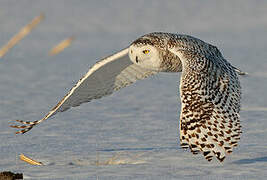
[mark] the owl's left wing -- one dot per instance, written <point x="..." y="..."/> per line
<point x="210" y="95"/>
<point x="105" y="77"/>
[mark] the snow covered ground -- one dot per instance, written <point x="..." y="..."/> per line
<point x="137" y="126"/>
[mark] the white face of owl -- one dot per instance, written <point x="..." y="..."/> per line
<point x="146" y="56"/>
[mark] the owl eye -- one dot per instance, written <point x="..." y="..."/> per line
<point x="145" y="51"/>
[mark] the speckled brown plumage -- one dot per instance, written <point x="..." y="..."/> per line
<point x="209" y="88"/>
<point x="210" y="93"/>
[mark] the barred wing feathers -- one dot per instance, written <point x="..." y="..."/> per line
<point x="210" y="94"/>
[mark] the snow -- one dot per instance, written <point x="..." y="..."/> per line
<point x="140" y="121"/>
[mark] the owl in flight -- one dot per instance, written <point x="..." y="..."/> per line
<point x="209" y="88"/>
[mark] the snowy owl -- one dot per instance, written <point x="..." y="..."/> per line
<point x="209" y="88"/>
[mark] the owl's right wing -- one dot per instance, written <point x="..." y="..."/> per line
<point x="210" y="93"/>
<point x="106" y="76"/>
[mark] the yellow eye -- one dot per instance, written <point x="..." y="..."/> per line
<point x="145" y="51"/>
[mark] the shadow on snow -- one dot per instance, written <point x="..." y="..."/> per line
<point x="252" y="160"/>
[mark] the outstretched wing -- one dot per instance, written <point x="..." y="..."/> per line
<point x="106" y="76"/>
<point x="210" y="94"/>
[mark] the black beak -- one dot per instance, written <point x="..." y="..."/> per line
<point x="136" y="59"/>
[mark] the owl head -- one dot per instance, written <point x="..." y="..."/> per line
<point x="145" y="53"/>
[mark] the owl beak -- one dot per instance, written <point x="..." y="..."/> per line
<point x="136" y="59"/>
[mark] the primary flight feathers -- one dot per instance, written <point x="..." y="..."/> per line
<point x="106" y="76"/>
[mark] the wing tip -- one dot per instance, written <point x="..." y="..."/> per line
<point x="239" y="72"/>
<point x="25" y="127"/>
